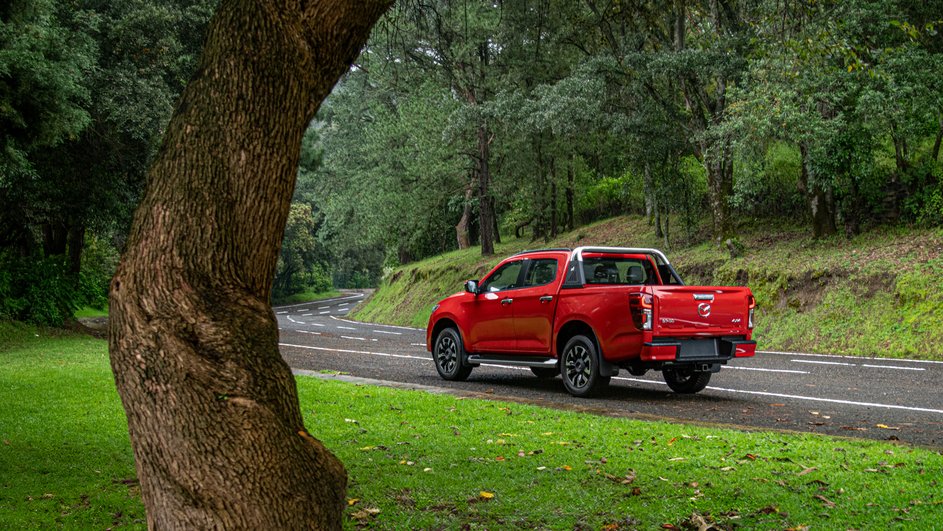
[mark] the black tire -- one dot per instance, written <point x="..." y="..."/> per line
<point x="448" y="353"/>
<point x="579" y="367"/>
<point x="545" y="373"/>
<point x="686" y="381"/>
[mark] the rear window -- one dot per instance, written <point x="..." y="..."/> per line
<point x="615" y="269"/>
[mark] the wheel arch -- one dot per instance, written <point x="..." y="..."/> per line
<point x="443" y="323"/>
<point x="578" y="327"/>
<point x="574" y="328"/>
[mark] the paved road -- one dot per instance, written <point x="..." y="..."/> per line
<point x="856" y="397"/>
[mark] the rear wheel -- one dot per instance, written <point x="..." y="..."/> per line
<point x="449" y="356"/>
<point x="545" y="373"/>
<point x="579" y="366"/>
<point x="686" y="381"/>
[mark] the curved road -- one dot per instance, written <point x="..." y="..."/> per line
<point x="846" y="396"/>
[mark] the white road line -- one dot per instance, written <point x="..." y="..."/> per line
<point x="317" y="324"/>
<point x="787" y="371"/>
<point x="307" y="314"/>
<point x="824" y="363"/>
<point x="357" y="296"/>
<point x="417" y="344"/>
<point x="893" y="367"/>
<point x="387" y="332"/>
<point x="323" y="307"/>
<point x="343" y="304"/>
<point x="377" y="324"/>
<point x="798" y="397"/>
<point x="294" y="321"/>
<point x="322" y="313"/>
<point x="357" y="338"/>
<point x="346" y="328"/>
<point x="384" y="354"/>
<point x="309" y="332"/>
<point x="899" y="360"/>
<point x="281" y="313"/>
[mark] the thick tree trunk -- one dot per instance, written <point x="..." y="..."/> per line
<point x="212" y="408"/>
<point x="570" y="223"/>
<point x="494" y="219"/>
<point x="554" y="229"/>
<point x="821" y="205"/>
<point x="719" y="188"/>
<point x="938" y="140"/>
<point x="461" y="229"/>
<point x="76" y="240"/>
<point x="486" y="223"/>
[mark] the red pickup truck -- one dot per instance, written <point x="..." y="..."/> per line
<point x="587" y="312"/>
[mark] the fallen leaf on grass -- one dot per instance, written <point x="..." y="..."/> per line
<point x="7" y="442"/>
<point x="769" y="509"/>
<point x="353" y="501"/>
<point x="826" y="501"/>
<point x="365" y="514"/>
<point x="485" y="495"/>
<point x="806" y="471"/>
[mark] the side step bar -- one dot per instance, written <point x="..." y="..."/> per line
<point x="521" y="361"/>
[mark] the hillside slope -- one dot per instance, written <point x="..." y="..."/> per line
<point x="878" y="294"/>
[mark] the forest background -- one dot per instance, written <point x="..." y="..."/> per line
<point x="462" y="122"/>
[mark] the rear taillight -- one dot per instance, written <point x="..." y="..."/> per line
<point x="640" y="305"/>
<point x="751" y="304"/>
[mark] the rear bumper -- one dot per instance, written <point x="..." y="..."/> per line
<point x="697" y="350"/>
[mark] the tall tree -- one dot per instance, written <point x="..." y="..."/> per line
<point x="212" y="408"/>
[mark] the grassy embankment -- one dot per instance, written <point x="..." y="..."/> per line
<point x="418" y="460"/>
<point x="879" y="294"/>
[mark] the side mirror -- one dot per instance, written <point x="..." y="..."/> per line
<point x="471" y="286"/>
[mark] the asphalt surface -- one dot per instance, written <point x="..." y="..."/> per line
<point x="874" y="398"/>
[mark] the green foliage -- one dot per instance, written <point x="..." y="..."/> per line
<point x="45" y="55"/>
<point x="36" y="291"/>
<point x="299" y="267"/>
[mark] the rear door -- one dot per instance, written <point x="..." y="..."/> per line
<point x="700" y="310"/>
<point x="535" y="301"/>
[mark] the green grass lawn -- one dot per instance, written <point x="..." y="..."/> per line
<point x="88" y="311"/>
<point x="419" y="460"/>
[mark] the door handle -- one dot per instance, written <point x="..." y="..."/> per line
<point x="546" y="298"/>
<point x="505" y="302"/>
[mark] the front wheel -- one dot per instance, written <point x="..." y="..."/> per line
<point x="449" y="356"/>
<point x="579" y="366"/>
<point x="686" y="381"/>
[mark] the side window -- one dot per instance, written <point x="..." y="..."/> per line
<point x="541" y="272"/>
<point x="504" y="278"/>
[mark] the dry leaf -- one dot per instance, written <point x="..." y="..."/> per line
<point x="806" y="471"/>
<point x="826" y="501"/>
<point x="485" y="495"/>
<point x="352" y="501"/>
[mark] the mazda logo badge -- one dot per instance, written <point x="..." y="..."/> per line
<point x="703" y="309"/>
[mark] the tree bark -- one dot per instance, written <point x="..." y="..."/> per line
<point x="461" y="229"/>
<point x="486" y="223"/>
<point x="938" y="140"/>
<point x="569" y="195"/>
<point x="819" y="200"/>
<point x="212" y="408"/>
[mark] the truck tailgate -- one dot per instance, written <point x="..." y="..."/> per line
<point x="700" y="310"/>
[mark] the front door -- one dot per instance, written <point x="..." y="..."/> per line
<point x="491" y="313"/>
